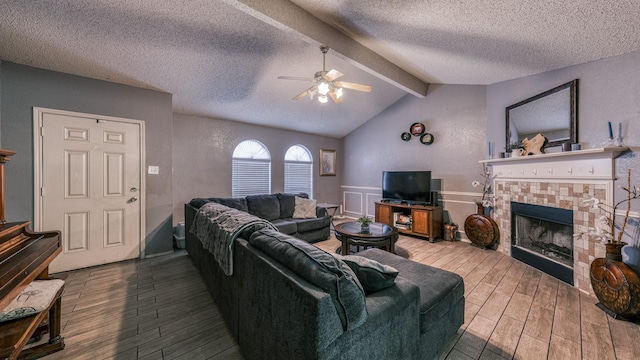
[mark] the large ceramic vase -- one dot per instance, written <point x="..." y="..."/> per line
<point x="617" y="287"/>
<point x="613" y="251"/>
<point x="481" y="229"/>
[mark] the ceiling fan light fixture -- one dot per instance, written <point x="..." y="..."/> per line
<point x="323" y="88"/>
<point x="326" y="84"/>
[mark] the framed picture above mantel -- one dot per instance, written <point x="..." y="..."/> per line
<point x="327" y="162"/>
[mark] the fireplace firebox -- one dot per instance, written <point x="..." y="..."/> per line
<point x="542" y="237"/>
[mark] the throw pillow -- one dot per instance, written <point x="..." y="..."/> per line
<point x="264" y="206"/>
<point x="373" y="276"/>
<point x="320" y="269"/>
<point x="304" y="209"/>
<point x="288" y="204"/>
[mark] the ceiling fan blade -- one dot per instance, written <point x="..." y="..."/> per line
<point x="335" y="98"/>
<point x="353" y="86"/>
<point x="295" y="78"/>
<point x="304" y="93"/>
<point x="332" y="75"/>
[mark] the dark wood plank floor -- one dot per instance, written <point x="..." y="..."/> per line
<point x="159" y="308"/>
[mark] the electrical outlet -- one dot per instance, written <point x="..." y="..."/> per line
<point x="154" y="170"/>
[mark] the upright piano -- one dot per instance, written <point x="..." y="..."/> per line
<point x="24" y="257"/>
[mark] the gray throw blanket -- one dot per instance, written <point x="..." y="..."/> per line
<point x="217" y="226"/>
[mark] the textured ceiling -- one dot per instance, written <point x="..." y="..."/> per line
<point x="221" y="59"/>
<point x="484" y="42"/>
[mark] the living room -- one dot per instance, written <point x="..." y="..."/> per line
<point x="193" y="151"/>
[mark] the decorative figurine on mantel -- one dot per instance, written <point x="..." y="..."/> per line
<point x="535" y="145"/>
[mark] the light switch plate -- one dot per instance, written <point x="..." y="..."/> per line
<point x="154" y="170"/>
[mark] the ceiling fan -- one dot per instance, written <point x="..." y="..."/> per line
<point x="326" y="84"/>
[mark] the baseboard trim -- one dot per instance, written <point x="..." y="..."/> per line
<point x="158" y="254"/>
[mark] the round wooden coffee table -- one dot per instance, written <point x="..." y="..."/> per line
<point x="379" y="235"/>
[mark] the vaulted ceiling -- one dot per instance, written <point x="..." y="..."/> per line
<point x="221" y="58"/>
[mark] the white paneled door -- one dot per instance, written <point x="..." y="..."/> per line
<point x="90" y="176"/>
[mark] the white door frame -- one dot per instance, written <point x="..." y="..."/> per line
<point x="38" y="113"/>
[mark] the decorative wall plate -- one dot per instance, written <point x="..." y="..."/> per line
<point x="417" y="129"/>
<point x="405" y="136"/>
<point x="427" y="139"/>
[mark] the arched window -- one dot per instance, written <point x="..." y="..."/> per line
<point x="251" y="173"/>
<point x="298" y="170"/>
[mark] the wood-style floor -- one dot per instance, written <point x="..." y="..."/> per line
<point x="159" y="308"/>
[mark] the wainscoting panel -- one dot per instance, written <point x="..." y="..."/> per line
<point x="371" y="199"/>
<point x="352" y="201"/>
<point x="632" y="231"/>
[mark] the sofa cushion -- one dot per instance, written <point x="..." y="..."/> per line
<point x="305" y="225"/>
<point x="304" y="209"/>
<point x="373" y="276"/>
<point x="264" y="206"/>
<point x="440" y="290"/>
<point x="319" y="268"/>
<point x="236" y="203"/>
<point x="288" y="203"/>
<point x="286" y="226"/>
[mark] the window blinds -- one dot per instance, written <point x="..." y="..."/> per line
<point x="298" y="177"/>
<point x="251" y="177"/>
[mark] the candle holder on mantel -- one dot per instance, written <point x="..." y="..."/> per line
<point x="609" y="142"/>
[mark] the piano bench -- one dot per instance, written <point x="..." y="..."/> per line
<point x="35" y="311"/>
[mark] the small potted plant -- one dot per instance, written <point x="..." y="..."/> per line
<point x="364" y="222"/>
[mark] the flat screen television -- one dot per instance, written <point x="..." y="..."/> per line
<point x="409" y="186"/>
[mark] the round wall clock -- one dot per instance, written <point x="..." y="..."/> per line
<point x="426" y="139"/>
<point x="417" y="129"/>
<point x="405" y="136"/>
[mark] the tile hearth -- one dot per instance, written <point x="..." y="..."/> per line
<point x="559" y="195"/>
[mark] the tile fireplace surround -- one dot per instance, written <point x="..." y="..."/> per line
<point x="560" y="180"/>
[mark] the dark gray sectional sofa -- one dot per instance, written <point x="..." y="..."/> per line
<point x="278" y="209"/>
<point x="276" y="311"/>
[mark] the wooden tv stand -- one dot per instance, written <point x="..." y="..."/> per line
<point x="426" y="220"/>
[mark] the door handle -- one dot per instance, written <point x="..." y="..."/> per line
<point x="133" y="199"/>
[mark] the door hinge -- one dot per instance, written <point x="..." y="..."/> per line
<point x="41" y="131"/>
<point x="41" y="191"/>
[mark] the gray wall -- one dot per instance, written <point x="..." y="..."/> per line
<point x="608" y="91"/>
<point x="455" y="115"/>
<point x="463" y="120"/>
<point x="25" y="87"/>
<point x="202" y="153"/>
<point x="0" y="104"/>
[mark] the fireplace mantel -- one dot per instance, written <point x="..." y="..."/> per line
<point x="594" y="164"/>
<point x="561" y="180"/>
